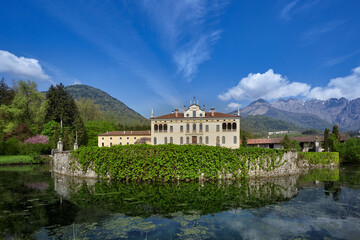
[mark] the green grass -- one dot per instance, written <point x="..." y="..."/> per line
<point x="18" y="159"/>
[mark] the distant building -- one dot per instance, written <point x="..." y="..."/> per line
<point x="196" y="126"/>
<point x="306" y="142"/>
<point x="123" y="138"/>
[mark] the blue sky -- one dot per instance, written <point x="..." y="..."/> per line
<point x="160" y="54"/>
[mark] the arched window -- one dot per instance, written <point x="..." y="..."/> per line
<point x="224" y="126"/>
<point x="235" y="139"/>
<point x="165" y="140"/>
<point x="229" y="126"/>
<point x="160" y="127"/>
<point x="181" y="140"/>
<point x="165" y="127"/>
<point x="194" y="127"/>
<point x="188" y="127"/>
<point x="206" y="140"/>
<point x="234" y="126"/>
<point x="171" y="140"/>
<point x="217" y="141"/>
<point x="201" y="127"/>
<point x="187" y="140"/>
<point x="223" y="140"/>
<point x="155" y="142"/>
<point x="156" y="127"/>
<point x="200" y="140"/>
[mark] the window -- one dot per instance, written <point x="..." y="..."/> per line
<point x="155" y="142"/>
<point x="181" y="140"/>
<point x="171" y="140"/>
<point x="120" y="138"/>
<point x="229" y="126"/>
<point x="165" y="127"/>
<point x="156" y="127"/>
<point x="102" y="138"/>
<point x="165" y="140"/>
<point x="127" y="137"/>
<point x="234" y="126"/>
<point x="235" y="139"/>
<point x="224" y="126"/>
<point x="187" y="127"/>
<point x="102" y="144"/>
<point x="171" y="128"/>
<point x="110" y="144"/>
<point x="206" y="140"/>
<point x="217" y="128"/>
<point x="134" y="137"/>
<point x="200" y="140"/>
<point x="206" y="128"/>
<point x="200" y="114"/>
<point x="127" y="143"/>
<point x="181" y="128"/>
<point x="217" y="141"/>
<point x="120" y="143"/>
<point x="160" y="128"/>
<point x="187" y="115"/>
<point x="200" y="127"/>
<point x="187" y="140"/>
<point x="110" y="138"/>
<point x="223" y="140"/>
<point x="194" y="127"/>
<point x="194" y="113"/>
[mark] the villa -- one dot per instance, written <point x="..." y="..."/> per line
<point x="123" y="138"/>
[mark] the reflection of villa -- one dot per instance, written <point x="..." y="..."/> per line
<point x="195" y="126"/>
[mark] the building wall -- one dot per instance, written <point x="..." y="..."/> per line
<point x="163" y="137"/>
<point x="107" y="141"/>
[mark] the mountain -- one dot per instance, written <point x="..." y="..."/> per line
<point x="303" y="120"/>
<point x="341" y="111"/>
<point x="259" y="123"/>
<point x="113" y="109"/>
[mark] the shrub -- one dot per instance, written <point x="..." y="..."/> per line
<point x="37" y="139"/>
<point x="12" y="147"/>
<point x="349" y="150"/>
<point x="35" y="148"/>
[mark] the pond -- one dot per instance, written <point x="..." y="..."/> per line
<point x="321" y="204"/>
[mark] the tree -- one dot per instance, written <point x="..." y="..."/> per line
<point x="327" y="140"/>
<point x="6" y="93"/>
<point x="243" y="138"/>
<point x="336" y="132"/>
<point x="349" y="150"/>
<point x="89" y="111"/>
<point x="66" y="140"/>
<point x="286" y="142"/>
<point x="93" y="128"/>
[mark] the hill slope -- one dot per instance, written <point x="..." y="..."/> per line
<point x="259" y="123"/>
<point x="114" y="109"/>
<point x="303" y="120"/>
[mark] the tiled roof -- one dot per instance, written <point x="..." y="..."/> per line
<point x="181" y="115"/>
<point x="126" y="133"/>
<point x="278" y="140"/>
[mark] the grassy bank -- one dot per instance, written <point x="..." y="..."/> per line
<point x="23" y="159"/>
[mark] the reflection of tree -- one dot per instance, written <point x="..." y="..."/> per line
<point x="142" y="199"/>
<point x="332" y="187"/>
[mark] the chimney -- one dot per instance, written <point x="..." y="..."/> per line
<point x="212" y="111"/>
<point x="176" y="112"/>
<point x="203" y="107"/>
<point x="184" y="108"/>
<point x="172" y="111"/>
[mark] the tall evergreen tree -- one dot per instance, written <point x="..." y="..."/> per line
<point x="6" y="93"/>
<point x="327" y="140"/>
<point x="336" y="132"/>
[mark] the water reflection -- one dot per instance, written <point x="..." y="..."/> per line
<point x="320" y="204"/>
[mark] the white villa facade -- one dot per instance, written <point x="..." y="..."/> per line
<point x="195" y="126"/>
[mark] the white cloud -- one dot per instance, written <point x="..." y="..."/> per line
<point x="348" y="87"/>
<point x="286" y="10"/>
<point x="21" y="66"/>
<point x="233" y="106"/>
<point x="268" y="85"/>
<point x="187" y="29"/>
<point x="77" y="81"/>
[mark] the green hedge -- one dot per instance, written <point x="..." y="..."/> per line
<point x="320" y="157"/>
<point x="169" y="162"/>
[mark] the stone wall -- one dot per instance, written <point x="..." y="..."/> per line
<point x="288" y="165"/>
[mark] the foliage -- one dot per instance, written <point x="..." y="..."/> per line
<point x="260" y="123"/>
<point x="326" y="143"/>
<point x="310" y="131"/>
<point x="243" y="137"/>
<point x="319" y="157"/>
<point x="11" y="147"/>
<point x="336" y="132"/>
<point x="49" y="129"/>
<point x="6" y="93"/>
<point x="349" y="150"/>
<point x="170" y="162"/>
<point x="37" y="139"/>
<point x="62" y="109"/>
<point x="89" y="111"/>
<point x="35" y="149"/>
<point x="15" y="159"/>
<point x="289" y="144"/>
<point x="113" y="109"/>
<point x="93" y="128"/>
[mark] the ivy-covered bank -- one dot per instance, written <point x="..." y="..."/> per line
<point x="186" y="162"/>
